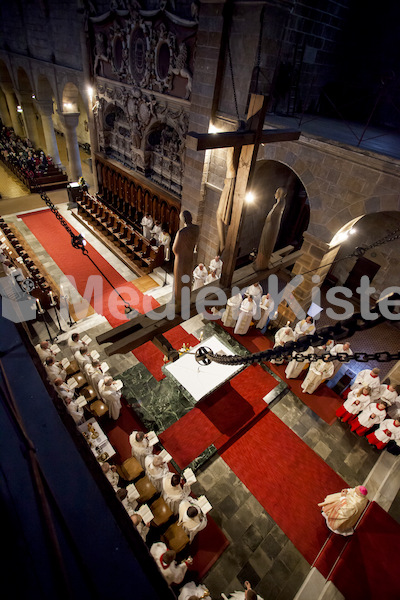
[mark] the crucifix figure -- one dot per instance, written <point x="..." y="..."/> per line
<point x="246" y="141"/>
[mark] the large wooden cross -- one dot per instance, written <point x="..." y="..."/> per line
<point x="248" y="140"/>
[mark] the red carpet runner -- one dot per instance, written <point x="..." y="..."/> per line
<point x="152" y="358"/>
<point x="57" y="242"/>
<point x="216" y="419"/>
<point x="287" y="478"/>
<point x="324" y="402"/>
<point x="367" y="568"/>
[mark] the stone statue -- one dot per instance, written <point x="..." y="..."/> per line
<point x="270" y="231"/>
<point x="183" y="248"/>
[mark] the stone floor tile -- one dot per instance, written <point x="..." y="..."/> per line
<point x="228" y="506"/>
<point x="260" y="562"/>
<point x="252" y="537"/>
<point x="248" y="573"/>
<point x="322" y="449"/>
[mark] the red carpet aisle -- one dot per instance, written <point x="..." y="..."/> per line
<point x="216" y="419"/>
<point x="368" y="569"/>
<point x="287" y="478"/>
<point x="152" y="358"/>
<point x="324" y="402"/>
<point x="209" y="543"/>
<point x="57" y="242"/>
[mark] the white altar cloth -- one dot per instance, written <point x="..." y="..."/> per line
<point x="200" y="380"/>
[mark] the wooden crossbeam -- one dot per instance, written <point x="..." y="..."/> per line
<point x="207" y="141"/>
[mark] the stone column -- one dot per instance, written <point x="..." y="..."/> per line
<point x="12" y="109"/>
<point x="29" y="117"/>
<point x="70" y="123"/>
<point x="316" y="255"/>
<point x="5" y="115"/>
<point x="394" y="374"/>
<point x="46" y="111"/>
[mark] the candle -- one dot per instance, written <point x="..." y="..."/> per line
<point x="51" y="297"/>
<point x="201" y="335"/>
<point x="39" y="306"/>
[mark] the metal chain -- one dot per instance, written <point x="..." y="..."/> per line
<point x="341" y="330"/>
<point x="78" y="242"/>
<point x="233" y="80"/>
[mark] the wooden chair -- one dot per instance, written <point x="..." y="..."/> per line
<point x="98" y="408"/>
<point x="161" y="512"/>
<point x="175" y="538"/>
<point x="146" y="489"/>
<point x="89" y="393"/>
<point x="130" y="469"/>
<point x="73" y="368"/>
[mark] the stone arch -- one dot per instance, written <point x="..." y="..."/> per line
<point x="360" y="232"/>
<point x="5" y="77"/>
<point x="44" y="89"/>
<point x="23" y="82"/>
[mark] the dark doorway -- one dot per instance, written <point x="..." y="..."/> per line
<point x="363" y="266"/>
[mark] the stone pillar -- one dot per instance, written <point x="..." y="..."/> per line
<point x="70" y="123"/>
<point x="394" y="374"/>
<point x="46" y="110"/>
<point x="12" y="109"/>
<point x="29" y="117"/>
<point x="5" y="114"/>
<point x="316" y="255"/>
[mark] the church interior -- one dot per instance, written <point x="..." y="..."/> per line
<point x="253" y="148"/>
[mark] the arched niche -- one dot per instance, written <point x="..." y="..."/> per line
<point x="268" y="176"/>
<point x="380" y="264"/>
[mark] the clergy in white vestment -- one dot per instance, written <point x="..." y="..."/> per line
<point x="369" y="377"/>
<point x="266" y="307"/>
<point x="110" y="396"/>
<point x="111" y="473"/>
<point x="294" y="367"/>
<point x="318" y="372"/>
<point x="343" y="509"/>
<point x="82" y="357"/>
<point x="342" y="348"/>
<point x="172" y="571"/>
<point x="199" y="276"/>
<point x="140" y="446"/>
<point x="211" y="277"/>
<point x="147" y="224"/>
<point x="373" y="414"/>
<point x="304" y="327"/>
<point x="156" y="232"/>
<point x="216" y="265"/>
<point x="63" y="389"/>
<point x="129" y="505"/>
<point x="43" y="350"/>
<point x="94" y="374"/>
<point x="191" y="590"/>
<point x="282" y="336"/>
<point x="256" y="292"/>
<point x="54" y="370"/>
<point x="231" y="312"/>
<point x="174" y="491"/>
<point x="156" y="469"/>
<point x="355" y="402"/>
<point x="141" y="527"/>
<point x="248" y="309"/>
<point x="248" y="594"/>
<point x="388" y="430"/>
<point x="75" y="343"/>
<point x="75" y="411"/>
<point x="388" y="394"/>
<point x="165" y="240"/>
<point x="191" y="517"/>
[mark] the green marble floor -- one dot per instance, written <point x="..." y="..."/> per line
<point x="159" y="404"/>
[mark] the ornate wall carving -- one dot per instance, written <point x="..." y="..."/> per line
<point x="142" y="62"/>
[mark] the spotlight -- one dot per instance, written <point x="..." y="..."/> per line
<point x="213" y="129"/>
<point x="249" y="197"/>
